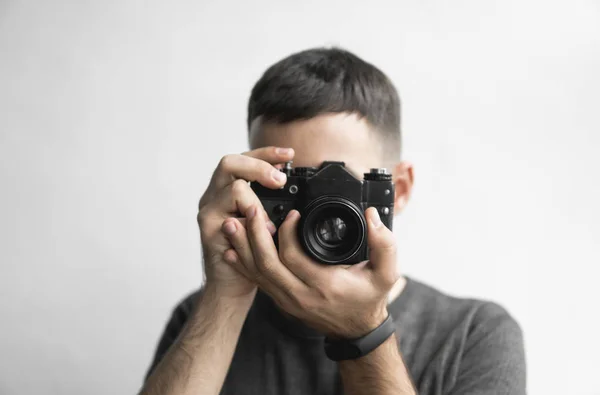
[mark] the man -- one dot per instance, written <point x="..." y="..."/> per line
<point x="259" y="324"/>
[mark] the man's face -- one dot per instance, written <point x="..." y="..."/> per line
<point x="334" y="137"/>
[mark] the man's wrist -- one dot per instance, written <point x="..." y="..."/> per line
<point x="361" y="325"/>
<point x="215" y="312"/>
<point x="376" y="319"/>
<point x="213" y="298"/>
<point x="344" y="349"/>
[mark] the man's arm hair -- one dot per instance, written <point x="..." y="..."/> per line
<point x="173" y="329"/>
<point x="200" y="355"/>
<point x="492" y="363"/>
<point x="381" y="372"/>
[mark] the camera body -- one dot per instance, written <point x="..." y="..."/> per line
<point x="331" y="202"/>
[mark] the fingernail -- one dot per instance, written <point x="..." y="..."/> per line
<point x="251" y="212"/>
<point x="282" y="151"/>
<point x="271" y="227"/>
<point x="375" y="219"/>
<point x="229" y="228"/>
<point x="278" y="176"/>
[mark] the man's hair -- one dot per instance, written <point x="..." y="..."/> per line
<point x="328" y="80"/>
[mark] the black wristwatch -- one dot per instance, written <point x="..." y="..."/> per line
<point x="343" y="349"/>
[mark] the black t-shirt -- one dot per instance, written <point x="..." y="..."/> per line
<point x="450" y="346"/>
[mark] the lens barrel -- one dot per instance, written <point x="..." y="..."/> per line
<point x="332" y="230"/>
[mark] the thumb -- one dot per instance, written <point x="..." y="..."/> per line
<point x="382" y="248"/>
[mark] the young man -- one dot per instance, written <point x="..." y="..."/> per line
<point x="259" y="323"/>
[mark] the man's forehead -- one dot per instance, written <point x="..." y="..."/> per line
<point x="339" y="137"/>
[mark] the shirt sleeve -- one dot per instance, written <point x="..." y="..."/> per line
<point x="175" y="325"/>
<point x="493" y="361"/>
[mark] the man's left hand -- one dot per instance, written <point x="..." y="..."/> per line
<point x="338" y="301"/>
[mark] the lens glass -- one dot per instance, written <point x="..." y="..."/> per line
<point x="331" y="231"/>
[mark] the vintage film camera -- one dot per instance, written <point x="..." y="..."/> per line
<point x="331" y="202"/>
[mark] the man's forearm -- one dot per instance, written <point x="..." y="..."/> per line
<point x="381" y="372"/>
<point x="198" y="361"/>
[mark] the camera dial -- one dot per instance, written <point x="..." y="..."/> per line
<point x="378" y="174"/>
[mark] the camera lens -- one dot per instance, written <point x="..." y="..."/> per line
<point x="332" y="230"/>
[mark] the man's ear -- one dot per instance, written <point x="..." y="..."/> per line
<point x="403" y="176"/>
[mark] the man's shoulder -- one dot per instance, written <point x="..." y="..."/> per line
<point x="424" y="305"/>
<point x="471" y="343"/>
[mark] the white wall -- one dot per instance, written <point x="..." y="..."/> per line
<point x="114" y="113"/>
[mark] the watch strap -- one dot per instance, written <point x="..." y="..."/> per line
<point x="344" y="349"/>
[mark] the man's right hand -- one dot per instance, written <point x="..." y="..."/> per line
<point x="193" y="363"/>
<point x="228" y="196"/>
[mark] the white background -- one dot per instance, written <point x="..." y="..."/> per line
<point x="113" y="115"/>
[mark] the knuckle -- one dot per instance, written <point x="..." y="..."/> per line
<point x="390" y="247"/>
<point x="334" y="291"/>
<point x="260" y="169"/>
<point x="295" y="298"/>
<point x="313" y="304"/>
<point x="392" y="250"/>
<point x="226" y="161"/>
<point x="389" y="279"/>
<point x="287" y="255"/>
<point x="304" y="302"/>
<point x="387" y="244"/>
<point x="206" y="197"/>
<point x="266" y="169"/>
<point x="238" y="187"/>
<point x="202" y="217"/>
<point x="389" y="283"/>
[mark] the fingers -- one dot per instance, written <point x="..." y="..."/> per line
<point x="266" y="258"/>
<point x="292" y="255"/>
<point x="382" y="249"/>
<point x="270" y="225"/>
<point x="236" y="171"/>
<point x="271" y="154"/>
<point x="236" y="199"/>
<point x="256" y="165"/>
<point x="233" y="259"/>
<point x="237" y="236"/>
